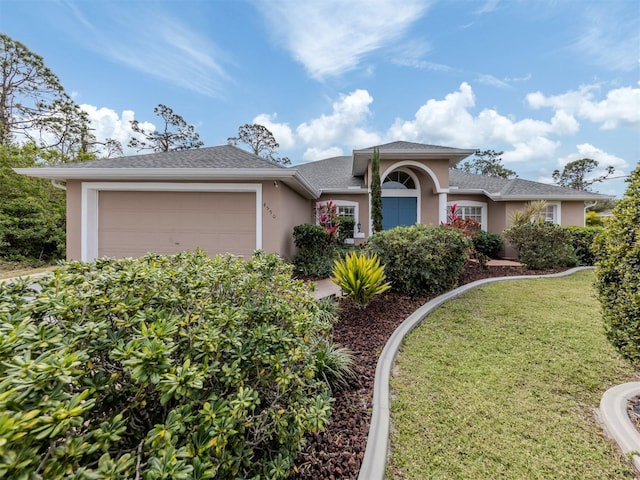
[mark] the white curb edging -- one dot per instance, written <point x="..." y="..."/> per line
<point x="613" y="413"/>
<point x="374" y="461"/>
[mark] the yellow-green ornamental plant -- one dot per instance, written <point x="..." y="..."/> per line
<point x="360" y="277"/>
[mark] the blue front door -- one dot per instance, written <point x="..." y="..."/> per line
<point x="398" y="211"/>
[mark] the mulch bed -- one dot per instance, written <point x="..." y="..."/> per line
<point x="337" y="452"/>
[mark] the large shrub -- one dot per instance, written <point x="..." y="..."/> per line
<point x="316" y="254"/>
<point x="32" y="210"/>
<point x="174" y="367"/>
<point x="487" y="243"/>
<point x="420" y="259"/>
<point x="542" y="245"/>
<point x="582" y="242"/>
<point x="617" y="252"/>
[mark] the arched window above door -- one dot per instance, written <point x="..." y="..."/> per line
<point x="398" y="180"/>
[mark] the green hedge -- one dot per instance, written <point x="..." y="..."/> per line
<point x="420" y="259"/>
<point x="582" y="242"/>
<point x="182" y="367"/>
<point x="617" y="251"/>
<point x="542" y="245"/>
<point x="487" y="243"/>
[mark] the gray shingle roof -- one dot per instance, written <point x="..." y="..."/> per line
<point x="332" y="173"/>
<point x="410" y="146"/>
<point x="514" y="188"/>
<point x="223" y="156"/>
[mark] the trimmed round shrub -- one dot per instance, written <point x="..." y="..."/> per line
<point x="582" y="242"/>
<point x="487" y="243"/>
<point x="420" y="259"/>
<point x="542" y="245"/>
<point x="182" y="367"/>
<point x="617" y="252"/>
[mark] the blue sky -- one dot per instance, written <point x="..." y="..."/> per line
<point x="546" y="81"/>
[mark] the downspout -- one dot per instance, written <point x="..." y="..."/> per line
<point x="584" y="217"/>
<point x="57" y="184"/>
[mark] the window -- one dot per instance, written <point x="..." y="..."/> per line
<point x="346" y="211"/>
<point x="347" y="208"/>
<point x="550" y="213"/>
<point x="399" y="180"/>
<point x="472" y="210"/>
<point x="472" y="213"/>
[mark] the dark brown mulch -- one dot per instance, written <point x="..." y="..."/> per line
<point x="633" y="410"/>
<point x="337" y="452"/>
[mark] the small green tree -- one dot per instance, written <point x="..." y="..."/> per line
<point x="376" y="192"/>
<point x="488" y="163"/>
<point x="175" y="135"/>
<point x="261" y="142"/>
<point x="574" y="174"/>
<point x="617" y="252"/>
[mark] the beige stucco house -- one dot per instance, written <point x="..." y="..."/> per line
<point x="225" y="200"/>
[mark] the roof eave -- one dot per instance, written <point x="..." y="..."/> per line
<point x="361" y="157"/>
<point x="291" y="178"/>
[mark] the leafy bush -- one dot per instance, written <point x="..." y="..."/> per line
<point x="161" y="367"/>
<point x="32" y="210"/>
<point x="582" y="242"/>
<point x="617" y="252"/>
<point x="360" y="277"/>
<point x="316" y="254"/>
<point x="345" y="230"/>
<point x="486" y="243"/>
<point x="420" y="259"/>
<point x="542" y="245"/>
<point x="592" y="219"/>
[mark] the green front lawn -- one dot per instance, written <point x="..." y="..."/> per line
<point x="503" y="383"/>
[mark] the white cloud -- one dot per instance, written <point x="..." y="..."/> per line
<point x="106" y="123"/>
<point x="313" y="153"/>
<point x="342" y="126"/>
<point x="281" y="131"/>
<point x="492" y="81"/>
<point x="586" y="150"/>
<point x="532" y="149"/>
<point x="620" y="107"/>
<point x="331" y="37"/>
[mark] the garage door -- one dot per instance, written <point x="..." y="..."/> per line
<point x="130" y="224"/>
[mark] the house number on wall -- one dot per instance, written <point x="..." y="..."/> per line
<point x="268" y="209"/>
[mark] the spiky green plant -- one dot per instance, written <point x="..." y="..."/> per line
<point x="335" y="364"/>
<point x="360" y="277"/>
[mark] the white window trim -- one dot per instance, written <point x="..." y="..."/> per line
<point x="472" y="203"/>
<point x="558" y="212"/>
<point x="356" y="214"/>
<point x="409" y="193"/>
<point x="90" y="208"/>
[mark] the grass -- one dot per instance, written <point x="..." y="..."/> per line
<point x="18" y="269"/>
<point x="503" y="382"/>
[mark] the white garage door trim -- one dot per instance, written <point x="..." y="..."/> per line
<point x="90" y="195"/>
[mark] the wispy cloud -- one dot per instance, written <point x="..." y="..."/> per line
<point x="492" y="81"/>
<point x="488" y="7"/>
<point x="608" y="35"/>
<point x="332" y="37"/>
<point x="156" y="44"/>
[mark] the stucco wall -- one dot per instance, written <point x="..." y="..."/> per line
<point x="573" y="213"/>
<point x="73" y="220"/>
<point x="282" y="210"/>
